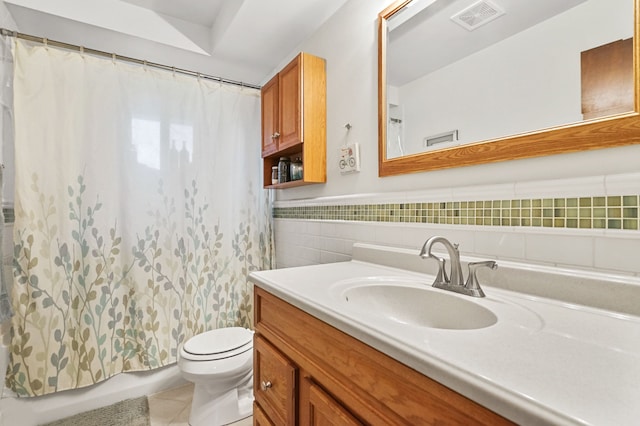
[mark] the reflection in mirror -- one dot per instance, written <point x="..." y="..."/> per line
<point x="507" y="67"/>
<point x="459" y="72"/>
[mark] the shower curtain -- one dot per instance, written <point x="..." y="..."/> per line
<point x="6" y="130"/>
<point x="139" y="214"/>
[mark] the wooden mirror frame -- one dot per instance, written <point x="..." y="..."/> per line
<point x="608" y="132"/>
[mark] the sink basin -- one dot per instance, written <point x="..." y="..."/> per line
<point x="417" y="305"/>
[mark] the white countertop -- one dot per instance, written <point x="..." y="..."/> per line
<point x="543" y="362"/>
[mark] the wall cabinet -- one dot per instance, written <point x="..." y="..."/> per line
<point x="294" y="119"/>
<point x="306" y="372"/>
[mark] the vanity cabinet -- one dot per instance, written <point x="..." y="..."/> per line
<point x="293" y="105"/>
<point x="307" y="372"/>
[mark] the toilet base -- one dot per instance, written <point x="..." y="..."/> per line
<point x="228" y="407"/>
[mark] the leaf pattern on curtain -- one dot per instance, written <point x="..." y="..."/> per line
<point x="139" y="214"/>
<point x="97" y="320"/>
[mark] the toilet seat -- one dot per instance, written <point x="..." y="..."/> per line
<point x="220" y="365"/>
<point x="218" y="344"/>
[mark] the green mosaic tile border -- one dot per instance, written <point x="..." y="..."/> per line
<point x="614" y="212"/>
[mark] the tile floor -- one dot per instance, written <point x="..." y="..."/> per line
<point x="171" y="408"/>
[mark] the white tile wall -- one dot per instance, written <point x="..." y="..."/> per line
<point x="615" y="253"/>
<point x="325" y="242"/>
<point x="560" y="249"/>
<point x="303" y="242"/>
<point x="504" y="245"/>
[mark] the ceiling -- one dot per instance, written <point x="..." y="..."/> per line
<point x="242" y="40"/>
<point x="417" y="32"/>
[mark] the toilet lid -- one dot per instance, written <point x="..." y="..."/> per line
<point x="219" y="341"/>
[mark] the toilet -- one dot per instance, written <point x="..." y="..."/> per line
<point x="220" y="364"/>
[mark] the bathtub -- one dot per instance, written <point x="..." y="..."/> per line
<point x="42" y="409"/>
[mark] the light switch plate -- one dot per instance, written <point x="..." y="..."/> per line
<point x="349" y="158"/>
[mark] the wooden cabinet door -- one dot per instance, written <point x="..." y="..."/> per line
<point x="274" y="383"/>
<point x="269" y="99"/>
<point x="323" y="410"/>
<point x="290" y="104"/>
<point x="259" y="417"/>
<point x="607" y="79"/>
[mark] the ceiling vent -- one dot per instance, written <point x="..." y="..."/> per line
<point x="478" y="14"/>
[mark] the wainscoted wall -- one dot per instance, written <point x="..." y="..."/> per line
<point x="587" y="223"/>
<point x="573" y="211"/>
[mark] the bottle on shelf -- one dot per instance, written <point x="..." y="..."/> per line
<point x="295" y="169"/>
<point x="283" y="170"/>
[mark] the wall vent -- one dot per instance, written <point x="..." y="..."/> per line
<point x="451" y="136"/>
<point x="478" y="14"/>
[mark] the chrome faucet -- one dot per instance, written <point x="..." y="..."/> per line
<point x="456" y="283"/>
<point x="454" y="258"/>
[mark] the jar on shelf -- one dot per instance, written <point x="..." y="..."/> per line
<point x="283" y="170"/>
<point x="296" y="169"/>
<point x="274" y="175"/>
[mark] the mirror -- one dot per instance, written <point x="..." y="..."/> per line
<point x="529" y="81"/>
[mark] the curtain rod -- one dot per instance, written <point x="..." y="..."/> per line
<point x="95" y="52"/>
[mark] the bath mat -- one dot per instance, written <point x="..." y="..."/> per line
<point x="130" y="412"/>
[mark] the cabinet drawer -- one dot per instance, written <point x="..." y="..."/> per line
<point x="274" y="383"/>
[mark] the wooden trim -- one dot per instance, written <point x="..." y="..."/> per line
<point x="382" y="78"/>
<point x="597" y="134"/>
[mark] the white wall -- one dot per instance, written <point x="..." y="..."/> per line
<point x="526" y="82"/>
<point x="349" y="44"/>
<point x="6" y="21"/>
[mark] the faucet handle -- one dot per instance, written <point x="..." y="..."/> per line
<point x="472" y="283"/>
<point x="441" y="277"/>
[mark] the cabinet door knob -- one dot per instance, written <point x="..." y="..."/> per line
<point x="265" y="385"/>
<point x="276" y="135"/>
